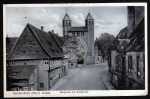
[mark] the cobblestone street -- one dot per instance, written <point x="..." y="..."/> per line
<point x="88" y="78"/>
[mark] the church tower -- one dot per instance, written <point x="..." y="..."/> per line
<point x="89" y="24"/>
<point x="66" y="25"/>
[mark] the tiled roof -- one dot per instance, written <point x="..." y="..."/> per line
<point x="47" y="42"/>
<point x="20" y="72"/>
<point x="10" y="42"/>
<point x="89" y="17"/>
<point x="67" y="17"/>
<point x="122" y="34"/>
<point x="114" y="44"/>
<point x="137" y="38"/>
<point x="136" y="44"/>
<point x="48" y="46"/>
<point x="58" y="39"/>
<point x="78" y="29"/>
<point x="138" y="30"/>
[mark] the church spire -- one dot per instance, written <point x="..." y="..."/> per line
<point x="89" y="16"/>
<point x="67" y="17"/>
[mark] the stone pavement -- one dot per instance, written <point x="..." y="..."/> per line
<point x="65" y="79"/>
<point x="106" y="80"/>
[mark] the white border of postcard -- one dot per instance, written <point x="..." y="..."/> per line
<point x="74" y="93"/>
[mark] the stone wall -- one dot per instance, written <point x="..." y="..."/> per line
<point x="113" y="60"/>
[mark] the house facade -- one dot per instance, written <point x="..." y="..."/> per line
<point x="126" y="54"/>
<point x="44" y="50"/>
<point x="135" y="59"/>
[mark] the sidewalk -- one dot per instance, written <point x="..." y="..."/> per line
<point x="103" y="63"/>
<point x="65" y="79"/>
<point x="106" y="80"/>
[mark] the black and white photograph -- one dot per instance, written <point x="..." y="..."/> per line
<point x="75" y="49"/>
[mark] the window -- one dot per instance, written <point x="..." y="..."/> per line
<point x="89" y="22"/>
<point x="138" y="69"/>
<point x="24" y="63"/>
<point x="13" y="74"/>
<point x="117" y="62"/>
<point x="20" y="88"/>
<point x="82" y="33"/>
<point x="73" y="34"/>
<point x="98" y="58"/>
<point x="45" y="62"/>
<point x="129" y="63"/>
<point x="41" y="85"/>
<point x="25" y="88"/>
<point x="77" y="33"/>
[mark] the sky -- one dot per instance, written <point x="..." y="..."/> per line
<point x="110" y="19"/>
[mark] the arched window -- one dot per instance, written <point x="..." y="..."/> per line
<point x="89" y="22"/>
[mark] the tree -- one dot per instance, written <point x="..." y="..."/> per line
<point x="104" y="41"/>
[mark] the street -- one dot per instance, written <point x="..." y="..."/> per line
<point x="88" y="78"/>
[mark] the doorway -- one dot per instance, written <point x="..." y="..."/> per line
<point x="81" y="62"/>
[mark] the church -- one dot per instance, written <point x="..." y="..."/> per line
<point x="84" y="32"/>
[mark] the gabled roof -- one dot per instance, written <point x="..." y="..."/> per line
<point x="78" y="29"/>
<point x="21" y="72"/>
<point x="10" y="42"/>
<point x="58" y="39"/>
<point x="47" y="42"/>
<point x="137" y="38"/>
<point x="48" y="46"/>
<point x="67" y="18"/>
<point x="89" y="17"/>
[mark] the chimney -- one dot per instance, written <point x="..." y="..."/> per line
<point x="42" y="28"/>
<point x="52" y="31"/>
